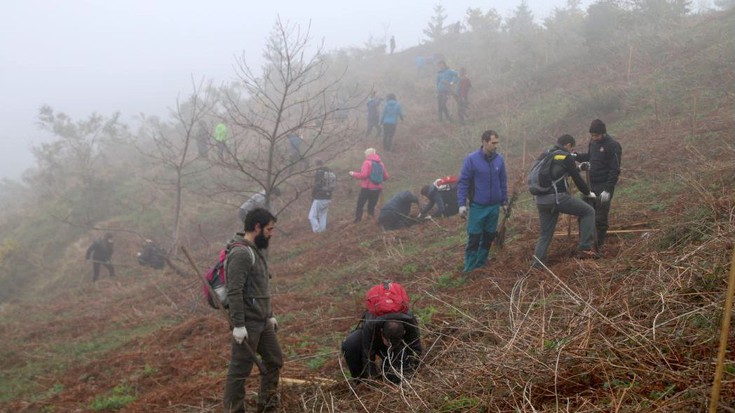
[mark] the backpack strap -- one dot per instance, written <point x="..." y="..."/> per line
<point x="247" y="247"/>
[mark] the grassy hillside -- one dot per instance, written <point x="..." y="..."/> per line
<point x="635" y="331"/>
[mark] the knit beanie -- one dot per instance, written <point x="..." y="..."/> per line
<point x="597" y="127"/>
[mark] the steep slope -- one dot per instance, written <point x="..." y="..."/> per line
<point x="635" y="331"/>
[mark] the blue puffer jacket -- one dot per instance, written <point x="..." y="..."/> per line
<point x="391" y="112"/>
<point x="486" y="175"/>
<point x="444" y="79"/>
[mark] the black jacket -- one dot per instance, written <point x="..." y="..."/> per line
<point x="318" y="191"/>
<point x="372" y="342"/>
<point x="100" y="250"/>
<point x="401" y="203"/>
<point x="564" y="164"/>
<point x="604" y="158"/>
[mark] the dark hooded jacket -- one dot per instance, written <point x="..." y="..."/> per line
<point x="100" y="250"/>
<point x="372" y="342"/>
<point x="604" y="157"/>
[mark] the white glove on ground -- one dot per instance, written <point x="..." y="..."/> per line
<point x="240" y="334"/>
<point x="272" y="321"/>
<point x="463" y="212"/>
<point x="605" y="197"/>
<point x="504" y="207"/>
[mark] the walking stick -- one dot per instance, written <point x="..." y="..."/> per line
<point x="500" y="238"/>
<point x="726" y="314"/>
<point x="221" y="307"/>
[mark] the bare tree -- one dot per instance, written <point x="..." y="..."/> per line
<point x="294" y="112"/>
<point x="173" y="146"/>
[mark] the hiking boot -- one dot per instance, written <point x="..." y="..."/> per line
<point x="586" y="255"/>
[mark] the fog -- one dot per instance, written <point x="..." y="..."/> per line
<point x="138" y="56"/>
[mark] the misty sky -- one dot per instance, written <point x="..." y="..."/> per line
<point x="137" y="56"/>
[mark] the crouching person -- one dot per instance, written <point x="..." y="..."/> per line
<point x="387" y="346"/>
<point x="152" y="255"/>
<point x="396" y="213"/>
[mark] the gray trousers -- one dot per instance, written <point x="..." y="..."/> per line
<point x="262" y="338"/>
<point x="549" y="214"/>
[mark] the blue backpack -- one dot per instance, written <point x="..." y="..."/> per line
<point x="376" y="173"/>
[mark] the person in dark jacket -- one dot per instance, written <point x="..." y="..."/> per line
<point x="483" y="177"/>
<point x="604" y="156"/>
<point x="444" y="197"/>
<point x="151" y="255"/>
<point x="394" y="337"/>
<point x="100" y="253"/>
<point x="251" y="314"/>
<point x="558" y="200"/>
<point x="373" y="115"/>
<point x="395" y="214"/>
<point x="321" y="195"/>
<point x="202" y="138"/>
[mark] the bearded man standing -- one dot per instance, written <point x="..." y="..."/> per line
<point x="251" y="314"/>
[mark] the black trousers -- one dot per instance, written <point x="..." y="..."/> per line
<point x="392" y="220"/>
<point x="389" y="130"/>
<point x="392" y="363"/>
<point x="602" y="211"/>
<point x="369" y="196"/>
<point x="96" y="269"/>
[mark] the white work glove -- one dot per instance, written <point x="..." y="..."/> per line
<point x="591" y="195"/>
<point x="427" y="217"/>
<point x="605" y="197"/>
<point x="240" y="334"/>
<point x="504" y="207"/>
<point x="463" y="212"/>
<point x="583" y="166"/>
<point x="272" y="321"/>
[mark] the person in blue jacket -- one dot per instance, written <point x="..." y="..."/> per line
<point x="483" y="184"/>
<point x="391" y="113"/>
<point x="446" y="81"/>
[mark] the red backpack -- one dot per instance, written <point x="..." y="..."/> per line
<point x="217" y="276"/>
<point x="445" y="183"/>
<point x="386" y="298"/>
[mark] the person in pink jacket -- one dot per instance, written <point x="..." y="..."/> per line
<point x="371" y="176"/>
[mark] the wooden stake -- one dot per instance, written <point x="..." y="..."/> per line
<point x="726" y="314"/>
<point x="614" y="231"/>
<point x="694" y="113"/>
<point x="630" y="63"/>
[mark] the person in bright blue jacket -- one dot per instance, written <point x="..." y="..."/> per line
<point x="483" y="184"/>
<point x="446" y="81"/>
<point x="391" y="113"/>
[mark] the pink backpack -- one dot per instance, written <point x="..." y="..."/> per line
<point x="217" y="276"/>
<point x="386" y="298"/>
